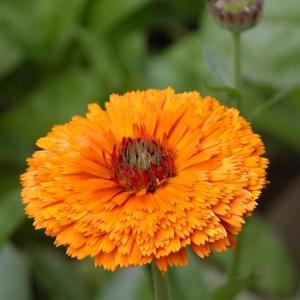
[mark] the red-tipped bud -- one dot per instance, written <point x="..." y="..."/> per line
<point x="236" y="15"/>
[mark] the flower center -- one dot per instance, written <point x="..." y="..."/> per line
<point x="141" y="163"/>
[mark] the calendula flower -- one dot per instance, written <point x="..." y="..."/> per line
<point x="154" y="173"/>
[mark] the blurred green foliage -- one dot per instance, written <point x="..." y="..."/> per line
<point x="57" y="56"/>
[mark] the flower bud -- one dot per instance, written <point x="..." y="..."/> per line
<point x="236" y="15"/>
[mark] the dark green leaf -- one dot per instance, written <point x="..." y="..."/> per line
<point x="280" y="119"/>
<point x="93" y="278"/>
<point x="53" y="102"/>
<point x="294" y="97"/>
<point x="10" y="56"/>
<point x="41" y="28"/>
<point x="56" y="275"/>
<point x="14" y="275"/>
<point x="10" y="181"/>
<point x="233" y="288"/>
<point x="193" y="277"/>
<point x="106" y="14"/>
<point x="125" y="285"/>
<point x="11" y="215"/>
<point x="264" y="254"/>
<point x="181" y="66"/>
<point x="231" y="91"/>
<point x="131" y="49"/>
<point x="270" y="103"/>
<point x="99" y="56"/>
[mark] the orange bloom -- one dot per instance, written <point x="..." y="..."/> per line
<point x="154" y="173"/>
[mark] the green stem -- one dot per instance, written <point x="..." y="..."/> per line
<point x="234" y="268"/>
<point x="160" y="284"/>
<point x="237" y="65"/>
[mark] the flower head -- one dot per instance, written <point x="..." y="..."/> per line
<point x="153" y="174"/>
<point x="236" y="15"/>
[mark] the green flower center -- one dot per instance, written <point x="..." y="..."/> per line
<point x="141" y="163"/>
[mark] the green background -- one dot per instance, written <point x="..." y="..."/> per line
<point x="56" y="56"/>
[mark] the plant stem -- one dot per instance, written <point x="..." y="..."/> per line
<point x="160" y="284"/>
<point x="237" y="65"/>
<point x="234" y="268"/>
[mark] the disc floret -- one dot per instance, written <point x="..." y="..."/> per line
<point x="140" y="163"/>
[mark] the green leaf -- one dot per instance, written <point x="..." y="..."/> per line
<point x="41" y="28"/>
<point x="11" y="215"/>
<point x="10" y="56"/>
<point x="58" y="21"/>
<point x="231" y="91"/>
<point x="14" y="275"/>
<point x="186" y="9"/>
<point x="278" y="10"/>
<point x="131" y="50"/>
<point x="189" y="283"/>
<point x="270" y="103"/>
<point x="187" y="66"/>
<point x="270" y="51"/>
<point x="107" y="14"/>
<point x="93" y="278"/>
<point x="98" y="53"/>
<point x="54" y="101"/>
<point x="264" y="254"/>
<point x="126" y="285"/>
<point x="55" y="273"/>
<point x="231" y="289"/>
<point x="294" y="99"/>
<point x="10" y="181"/>
<point x="180" y="66"/>
<point x="280" y="120"/>
<point x="218" y="68"/>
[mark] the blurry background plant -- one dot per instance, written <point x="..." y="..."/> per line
<point x="56" y="56"/>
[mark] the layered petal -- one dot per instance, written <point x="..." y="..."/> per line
<point x="154" y="173"/>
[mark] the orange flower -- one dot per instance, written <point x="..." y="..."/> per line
<point x="144" y="179"/>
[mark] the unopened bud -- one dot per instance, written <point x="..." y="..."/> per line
<point x="236" y="15"/>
